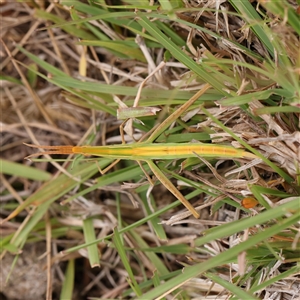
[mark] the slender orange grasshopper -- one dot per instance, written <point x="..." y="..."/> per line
<point x="148" y="151"/>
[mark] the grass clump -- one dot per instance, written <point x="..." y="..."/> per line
<point x="69" y="67"/>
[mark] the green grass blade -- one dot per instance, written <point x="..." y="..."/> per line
<point x="120" y="248"/>
<point x="292" y="271"/>
<point x="71" y="29"/>
<point x="124" y="49"/>
<point x="153" y="257"/>
<point x="68" y="284"/>
<point x="90" y="236"/>
<point x="15" y="169"/>
<point x="241" y="294"/>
